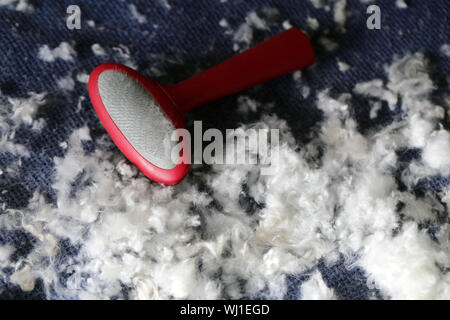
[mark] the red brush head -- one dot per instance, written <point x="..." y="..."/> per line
<point x="140" y="119"/>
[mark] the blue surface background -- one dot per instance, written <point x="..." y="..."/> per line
<point x="190" y="37"/>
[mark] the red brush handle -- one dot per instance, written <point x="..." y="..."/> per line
<point x="277" y="56"/>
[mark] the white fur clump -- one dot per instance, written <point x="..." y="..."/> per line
<point x="337" y="194"/>
<point x="66" y="83"/>
<point x="22" y="111"/>
<point x="409" y="79"/>
<point x="339" y="9"/>
<point x="82" y="77"/>
<point x="165" y="4"/>
<point x="224" y="23"/>
<point x="247" y="104"/>
<point x="401" y="4"/>
<point x="304" y="89"/>
<point x="321" y="4"/>
<point x="375" y="88"/>
<point x="436" y="151"/>
<point x="343" y="67"/>
<point x="243" y="36"/>
<point x="64" y="51"/>
<point x="312" y="23"/>
<point x="340" y="12"/>
<point x="286" y="25"/>
<point x="18" y="5"/>
<point x="316" y="289"/>
<point x="410" y="271"/>
<point x="136" y="14"/>
<point x="98" y="50"/>
<point x="407" y="266"/>
<point x="5" y="252"/>
<point x="123" y="54"/>
<point x="445" y="49"/>
<point x="328" y="44"/>
<point x="25" y="278"/>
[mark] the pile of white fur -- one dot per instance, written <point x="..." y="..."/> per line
<point x="336" y="196"/>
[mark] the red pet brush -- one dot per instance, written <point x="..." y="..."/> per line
<point x="140" y="114"/>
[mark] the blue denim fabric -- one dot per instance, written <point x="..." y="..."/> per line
<point x="190" y="32"/>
